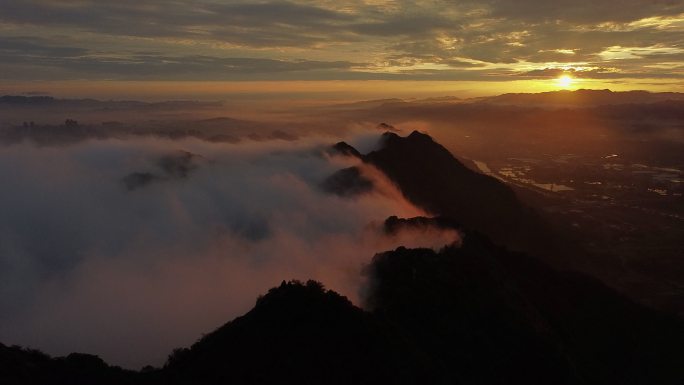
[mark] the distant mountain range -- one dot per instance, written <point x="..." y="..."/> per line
<point x="584" y="97"/>
<point x="581" y="97"/>
<point x="39" y="118"/>
<point x="473" y="313"/>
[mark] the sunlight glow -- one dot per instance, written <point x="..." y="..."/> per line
<point x="565" y="81"/>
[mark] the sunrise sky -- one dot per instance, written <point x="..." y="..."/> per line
<point x="378" y="48"/>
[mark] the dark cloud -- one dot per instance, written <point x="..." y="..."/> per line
<point x="36" y="48"/>
<point x="275" y="23"/>
<point x="584" y="11"/>
<point x="408" y="24"/>
<point x="69" y="62"/>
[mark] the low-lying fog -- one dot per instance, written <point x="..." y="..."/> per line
<point x="130" y="248"/>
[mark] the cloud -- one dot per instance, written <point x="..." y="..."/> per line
<point x="274" y="23"/>
<point x="301" y="40"/>
<point x="75" y="63"/>
<point x="584" y="11"/>
<point x="89" y="265"/>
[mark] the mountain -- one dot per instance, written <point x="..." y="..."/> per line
<point x="32" y="367"/>
<point x="300" y="334"/>
<point x="495" y="316"/>
<point x="433" y="179"/>
<point x="347" y="182"/>
<point x="582" y="97"/>
<point x="469" y="314"/>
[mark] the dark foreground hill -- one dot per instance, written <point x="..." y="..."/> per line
<point x="492" y="313"/>
<point x="26" y="366"/>
<point x="474" y="314"/>
<point x="300" y="334"/>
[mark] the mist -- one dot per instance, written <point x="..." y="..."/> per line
<point x="90" y="264"/>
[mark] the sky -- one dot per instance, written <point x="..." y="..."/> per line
<point x="420" y="47"/>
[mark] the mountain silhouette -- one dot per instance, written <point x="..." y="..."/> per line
<point x="433" y="179"/>
<point x="347" y="182"/>
<point x="488" y="315"/>
<point x="343" y="148"/>
<point x="32" y="367"/>
<point x="469" y="314"/>
<point x="299" y="334"/>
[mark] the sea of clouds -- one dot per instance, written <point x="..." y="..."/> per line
<point x="130" y="248"/>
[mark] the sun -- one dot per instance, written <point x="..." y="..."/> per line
<point x="565" y="81"/>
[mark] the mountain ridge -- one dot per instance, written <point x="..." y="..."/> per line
<point x="433" y="179"/>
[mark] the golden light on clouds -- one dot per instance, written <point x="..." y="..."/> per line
<point x="483" y="46"/>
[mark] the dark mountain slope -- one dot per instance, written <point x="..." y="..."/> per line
<point x="469" y="317"/>
<point x="300" y="334"/>
<point x="476" y="314"/>
<point x="347" y="182"/>
<point x="432" y="178"/>
<point x="610" y="337"/>
<point x="502" y="317"/>
<point x="29" y="367"/>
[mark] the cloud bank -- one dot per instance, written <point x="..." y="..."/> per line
<point x="89" y="264"/>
